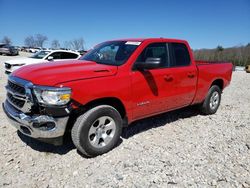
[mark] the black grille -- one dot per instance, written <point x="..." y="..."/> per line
<point x="7" y="66"/>
<point x="16" y="88"/>
<point x="17" y="102"/>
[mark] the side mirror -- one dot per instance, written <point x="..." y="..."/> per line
<point x="150" y="63"/>
<point x="50" y="58"/>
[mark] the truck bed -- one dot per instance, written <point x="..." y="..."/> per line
<point x="208" y="72"/>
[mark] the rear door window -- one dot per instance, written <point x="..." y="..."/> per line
<point x="180" y="55"/>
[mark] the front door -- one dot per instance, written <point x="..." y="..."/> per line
<point x="148" y="93"/>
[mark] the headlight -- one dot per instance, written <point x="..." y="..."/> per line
<point x="52" y="95"/>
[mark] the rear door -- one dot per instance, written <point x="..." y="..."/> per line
<point x="183" y="74"/>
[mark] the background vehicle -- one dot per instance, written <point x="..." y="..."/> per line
<point x="34" y="50"/>
<point x="8" y="50"/>
<point x="114" y="84"/>
<point x="41" y="56"/>
<point x="247" y="68"/>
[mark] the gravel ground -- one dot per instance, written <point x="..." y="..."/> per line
<point x="176" y="149"/>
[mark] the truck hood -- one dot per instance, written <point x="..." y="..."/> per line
<point x="24" y="61"/>
<point x="51" y="74"/>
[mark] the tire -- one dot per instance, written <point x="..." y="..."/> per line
<point x="212" y="101"/>
<point x="97" y="131"/>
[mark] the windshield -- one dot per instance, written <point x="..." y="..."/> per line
<point x="41" y="54"/>
<point x="111" y="53"/>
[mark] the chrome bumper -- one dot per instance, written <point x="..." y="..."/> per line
<point x="35" y="126"/>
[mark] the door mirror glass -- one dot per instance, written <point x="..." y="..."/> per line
<point x="150" y="63"/>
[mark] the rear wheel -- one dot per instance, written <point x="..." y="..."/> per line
<point x="97" y="131"/>
<point x="212" y="101"/>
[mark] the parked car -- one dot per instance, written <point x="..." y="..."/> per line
<point x="23" y="49"/>
<point x="41" y="56"/>
<point x="8" y="49"/>
<point x="114" y="84"/>
<point x="247" y="68"/>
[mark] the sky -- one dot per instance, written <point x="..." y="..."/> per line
<point x="203" y="23"/>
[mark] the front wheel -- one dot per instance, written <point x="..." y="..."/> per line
<point x="97" y="131"/>
<point x="212" y="101"/>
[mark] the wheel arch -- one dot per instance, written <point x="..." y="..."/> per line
<point x="219" y="82"/>
<point x="112" y="101"/>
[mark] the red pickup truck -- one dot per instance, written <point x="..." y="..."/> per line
<point x="112" y="85"/>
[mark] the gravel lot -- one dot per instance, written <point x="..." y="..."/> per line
<point x="176" y="149"/>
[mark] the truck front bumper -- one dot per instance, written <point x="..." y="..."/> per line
<point x="41" y="127"/>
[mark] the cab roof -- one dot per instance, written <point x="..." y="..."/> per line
<point x="151" y="39"/>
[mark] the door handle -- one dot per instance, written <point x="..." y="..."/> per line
<point x="191" y="75"/>
<point x="168" y="78"/>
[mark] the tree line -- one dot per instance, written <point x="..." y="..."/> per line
<point x="239" y="56"/>
<point x="38" y="41"/>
